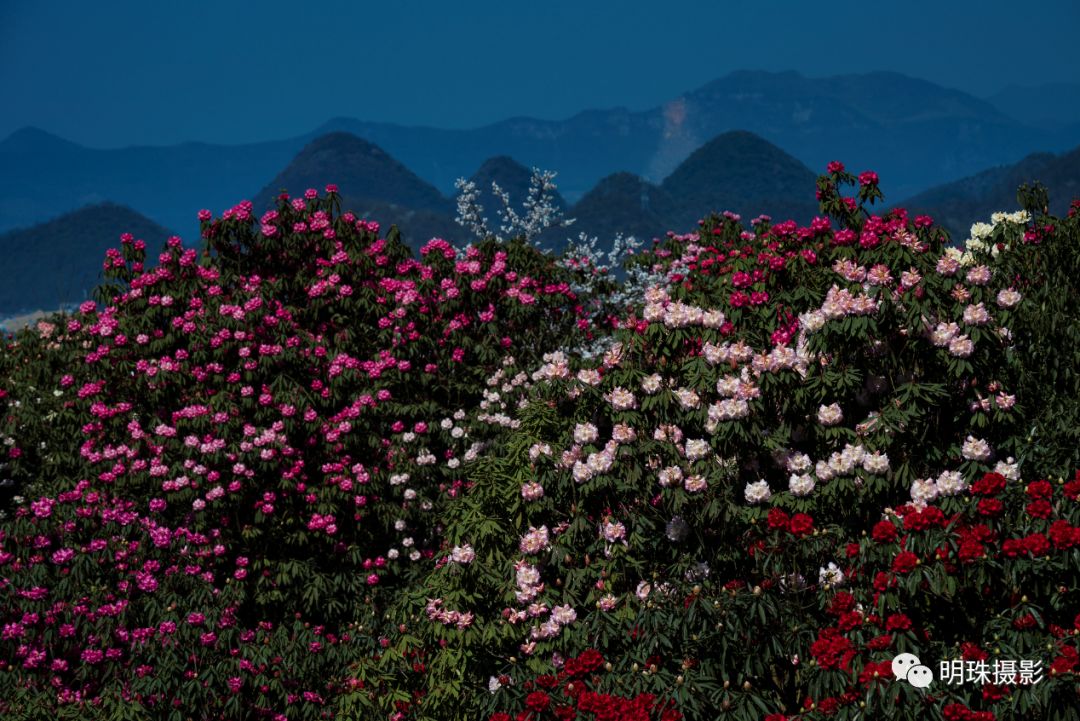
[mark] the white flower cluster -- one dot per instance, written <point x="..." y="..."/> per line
<point x="1008" y="468"/>
<point x="757" y="492"/>
<point x="948" y="335"/>
<point x="738" y="352"/>
<point x="541" y="212"/>
<point x="975" y="449"/>
<point x="830" y="575"/>
<point x="844" y="463"/>
<point x="840" y="302"/>
<point x="535" y="541"/>
<point x="977" y="244"/>
<point x="462" y="554"/>
<point x="830" y="415"/>
<point x="556" y="365"/>
<point x="781" y="358"/>
<point x="621" y="399"/>
<point x="801" y="484"/>
<point x="726" y="409"/>
<point x="948" y="483"/>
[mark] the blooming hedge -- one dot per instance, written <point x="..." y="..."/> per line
<point x="307" y="473"/>
<point x="769" y="486"/>
<point x="233" y="461"/>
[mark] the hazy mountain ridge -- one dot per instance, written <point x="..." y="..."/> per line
<point x="744" y="173"/>
<point x="958" y="204"/>
<point x="914" y="133"/>
<point x="59" y="262"/>
<point x="364" y="173"/>
<point x="735" y="171"/>
<point x="1053" y="106"/>
<point x="43" y="176"/>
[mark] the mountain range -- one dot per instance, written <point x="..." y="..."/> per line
<point x="634" y="173"/>
<point x="58" y="262"/>
<point x="958" y="204"/>
<point x="914" y="133"/>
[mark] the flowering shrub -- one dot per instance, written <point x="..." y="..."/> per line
<point x="230" y="465"/>
<point x="769" y="486"/>
<point x="306" y="474"/>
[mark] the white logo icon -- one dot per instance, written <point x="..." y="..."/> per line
<point x="908" y="667"/>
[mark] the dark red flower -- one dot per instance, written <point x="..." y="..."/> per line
<point x="1037" y="544"/>
<point x="1039" y="489"/>
<point x="537" y="701"/>
<point x="1072" y="488"/>
<point x="897" y="622"/>
<point x="1063" y="534"/>
<point x="841" y="603"/>
<point x="1040" y="508"/>
<point x="849" y="620"/>
<point x="926" y="518"/>
<point x="801" y="524"/>
<point x="905" y="562"/>
<point x="1025" y="622"/>
<point x="880" y="643"/>
<point x="990" y="484"/>
<point x="884" y="532"/>
<point x="778" y="520"/>
<point x="879" y="671"/>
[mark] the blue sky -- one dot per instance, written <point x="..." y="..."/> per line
<point x="109" y="74"/>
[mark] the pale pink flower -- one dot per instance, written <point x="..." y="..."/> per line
<point x="830" y="415"/>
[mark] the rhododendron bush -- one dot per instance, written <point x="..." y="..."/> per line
<point x="232" y="462"/>
<point x="306" y="473"/>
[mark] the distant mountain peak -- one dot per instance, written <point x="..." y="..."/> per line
<point x="741" y="171"/>
<point x="59" y="261"/>
<point x="362" y="171"/>
<point x="736" y="148"/>
<point x="34" y="140"/>
<point x="501" y="162"/>
<point x="511" y="176"/>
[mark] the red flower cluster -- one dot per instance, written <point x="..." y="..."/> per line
<point x="1067" y="662"/>
<point x="1072" y="488"/>
<point x="960" y="712"/>
<point x="1036" y="544"/>
<point x="990" y="484"/>
<point x="926" y="518"/>
<point x="905" y="562"/>
<point x="876" y="671"/>
<point x="1063" y="534"/>
<point x="832" y="650"/>
<point x="799" y="524"/>
<point x="884" y="532"/>
<point x="587" y="662"/>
